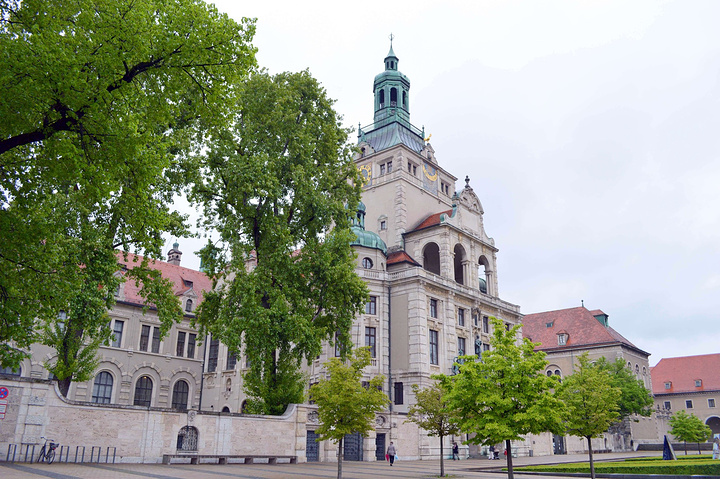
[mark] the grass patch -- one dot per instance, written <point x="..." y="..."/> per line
<point x="698" y="465"/>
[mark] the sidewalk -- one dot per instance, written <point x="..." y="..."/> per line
<point x="470" y="468"/>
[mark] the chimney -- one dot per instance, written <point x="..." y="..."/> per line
<point x="174" y="255"/>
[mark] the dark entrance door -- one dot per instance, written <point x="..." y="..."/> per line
<point x="353" y="447"/>
<point x="558" y="444"/>
<point x="380" y="447"/>
<point x="312" y="451"/>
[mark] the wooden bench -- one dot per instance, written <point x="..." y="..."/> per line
<point x="223" y="458"/>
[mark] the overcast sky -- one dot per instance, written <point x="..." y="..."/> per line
<point x="590" y="131"/>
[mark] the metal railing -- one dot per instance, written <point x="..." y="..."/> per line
<point x="30" y="453"/>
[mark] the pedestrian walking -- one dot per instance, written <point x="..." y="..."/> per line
<point x="491" y="455"/>
<point x="391" y="452"/>
<point x="456" y="451"/>
<point x="716" y="447"/>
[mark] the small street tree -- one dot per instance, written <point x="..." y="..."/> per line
<point x="277" y="187"/>
<point x="345" y="406"/>
<point x="689" y="428"/>
<point x="591" y="403"/>
<point x="505" y="394"/>
<point x="431" y="413"/>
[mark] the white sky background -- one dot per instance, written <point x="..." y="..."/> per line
<point x="590" y="131"/>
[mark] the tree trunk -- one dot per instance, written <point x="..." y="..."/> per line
<point x="592" y="464"/>
<point x="699" y="448"/>
<point x="64" y="386"/>
<point x="340" y="456"/>
<point x="508" y="450"/>
<point x="442" y="458"/>
<point x="685" y="447"/>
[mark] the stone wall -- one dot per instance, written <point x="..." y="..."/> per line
<point x="140" y="434"/>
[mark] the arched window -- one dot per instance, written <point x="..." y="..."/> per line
<point x="187" y="439"/>
<point x="382" y="98"/>
<point x="483" y="274"/>
<point x="143" y="392"/>
<point x="225" y="409"/>
<point x="393" y="96"/>
<point x="102" y="388"/>
<point x="459" y="264"/>
<point x="431" y="258"/>
<point x="404" y="99"/>
<point x="243" y="407"/>
<point x="188" y="305"/>
<point x="367" y="263"/>
<point x="180" y="395"/>
<point x="637" y="370"/>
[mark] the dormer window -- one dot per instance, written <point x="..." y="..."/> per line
<point x="549" y="325"/>
<point x="562" y="339"/>
<point x="668" y="385"/>
<point x="188" y="305"/>
<point x="187" y="283"/>
<point x="698" y="383"/>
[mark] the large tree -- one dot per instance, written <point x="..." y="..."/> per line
<point x="279" y="187"/>
<point x="345" y="405"/>
<point x="504" y="394"/>
<point x="635" y="398"/>
<point x="431" y="413"/>
<point x="591" y="402"/>
<point x="100" y="98"/>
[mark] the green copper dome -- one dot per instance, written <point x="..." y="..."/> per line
<point x="368" y="239"/>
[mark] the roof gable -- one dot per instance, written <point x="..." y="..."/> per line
<point x="186" y="282"/>
<point x="582" y="328"/>
<point x="682" y="373"/>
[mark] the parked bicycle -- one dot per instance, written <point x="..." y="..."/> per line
<point x="47" y="453"/>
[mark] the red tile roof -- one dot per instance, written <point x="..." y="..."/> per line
<point x="432" y="220"/>
<point x="183" y="279"/>
<point x="580" y="325"/>
<point x="681" y="373"/>
<point x="401" y="257"/>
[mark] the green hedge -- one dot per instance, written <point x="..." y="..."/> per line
<point x="699" y="466"/>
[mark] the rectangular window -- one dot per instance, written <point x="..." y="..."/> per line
<point x="191" y="345"/>
<point x="144" y="337"/>
<point x="117" y="333"/>
<point x="338" y="349"/>
<point x="486" y="324"/>
<point x="461" y="347"/>
<point x="486" y="347"/>
<point x="371" y="305"/>
<point x="711" y="402"/>
<point x="688" y="404"/>
<point x="475" y="319"/>
<point x="382" y="169"/>
<point x="562" y="339"/>
<point x="433" y="308"/>
<point x="667" y="405"/>
<point x="434" y="347"/>
<point x="668" y="385"/>
<point x="399" y="393"/>
<point x="370" y="340"/>
<point x="389" y="166"/>
<point x="698" y="383"/>
<point x="213" y="355"/>
<point x="461" y="317"/>
<point x="409" y="167"/>
<point x="180" y="348"/>
<point x="383" y="225"/>
<point x="231" y="360"/>
<point x="156" y="340"/>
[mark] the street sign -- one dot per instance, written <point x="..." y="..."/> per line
<point x="4" y="392"/>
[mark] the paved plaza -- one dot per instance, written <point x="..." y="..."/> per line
<point x="471" y="468"/>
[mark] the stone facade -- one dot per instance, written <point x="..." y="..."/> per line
<point x="690" y="383"/>
<point x="566" y="334"/>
